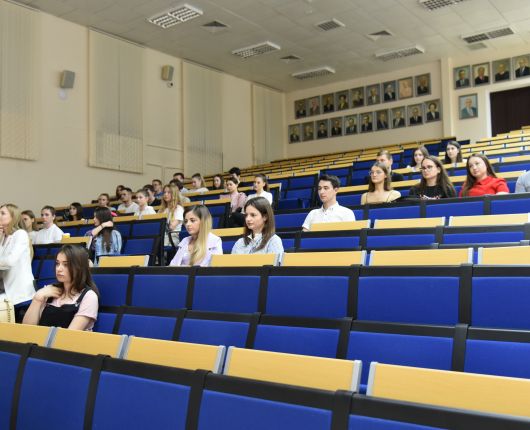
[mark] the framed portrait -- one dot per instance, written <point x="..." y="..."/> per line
<point x="432" y="110"/>
<point x="322" y="129"/>
<point x="366" y="122"/>
<point x="501" y="68"/>
<point x="294" y="133"/>
<point x="422" y="84"/>
<point x="300" y="109"/>
<point x="462" y="77"/>
<point x="350" y="124"/>
<point x="342" y="100"/>
<point x="313" y="105"/>
<point x="468" y="106"/>
<point x="389" y="91"/>
<point x="373" y="94"/>
<point x="405" y="88"/>
<point x="398" y="117"/>
<point x="520" y="66"/>
<point x="336" y="126"/>
<point x="481" y="74"/>
<point x="415" y="114"/>
<point x="357" y="97"/>
<point x="328" y="103"/>
<point x="308" y="131"/>
<point x="382" y="119"/>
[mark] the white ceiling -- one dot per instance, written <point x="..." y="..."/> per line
<point x="291" y="24"/>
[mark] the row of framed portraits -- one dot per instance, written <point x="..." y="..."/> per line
<point x="389" y="91"/>
<point x="366" y="122"/>
<point x="502" y="70"/>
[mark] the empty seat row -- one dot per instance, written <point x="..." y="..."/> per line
<point x="85" y="391"/>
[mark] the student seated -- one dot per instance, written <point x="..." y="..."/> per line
<point x="74" y="212"/>
<point x="453" y="153"/>
<point x="523" y="183"/>
<point x="73" y="301"/>
<point x="385" y="157"/>
<point x="105" y="240"/>
<point x="419" y="154"/>
<point x="49" y="233"/>
<point x="28" y="219"/>
<point x="434" y="183"/>
<point x="237" y="202"/>
<point x="331" y="211"/>
<point x="104" y="202"/>
<point x="259" y="236"/>
<point x="172" y="207"/>
<point x="197" y="249"/>
<point x="218" y="183"/>
<point x="127" y="205"/>
<point x="481" y="178"/>
<point x="198" y="184"/>
<point x="379" y="186"/>
<point x="261" y="187"/>
<point x="142" y="200"/>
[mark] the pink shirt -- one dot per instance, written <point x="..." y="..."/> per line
<point x="87" y="308"/>
<point x="237" y="200"/>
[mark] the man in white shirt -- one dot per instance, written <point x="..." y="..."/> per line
<point x="331" y="211"/>
<point x="127" y="205"/>
<point x="49" y="233"/>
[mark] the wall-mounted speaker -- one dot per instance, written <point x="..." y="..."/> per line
<point x="167" y="73"/>
<point x="67" y="79"/>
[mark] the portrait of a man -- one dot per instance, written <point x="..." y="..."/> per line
<point x="366" y="122"/>
<point x="502" y="70"/>
<point x="373" y="96"/>
<point x="423" y="84"/>
<point x="481" y="74"/>
<point x="461" y="76"/>
<point x="322" y="132"/>
<point x="357" y="97"/>
<point x="415" y="114"/>
<point x="398" y="117"/>
<point x="314" y="105"/>
<point x="520" y="64"/>
<point x="336" y="127"/>
<point x="382" y="119"/>
<point x="294" y="133"/>
<point x="389" y="94"/>
<point x="351" y="124"/>
<point x="300" y="109"/>
<point x="342" y="100"/>
<point x="468" y="106"/>
<point x="309" y="131"/>
<point x="328" y="103"/>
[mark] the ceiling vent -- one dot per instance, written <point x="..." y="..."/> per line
<point x="314" y="73"/>
<point x="329" y="25"/>
<point x="378" y="34"/>
<point x="438" y="4"/>
<point x="477" y="46"/>
<point x="258" y="49"/>
<point x="175" y="16"/>
<point x="399" y="53"/>
<point x="215" y="26"/>
<point x="486" y="35"/>
<point x="288" y="58"/>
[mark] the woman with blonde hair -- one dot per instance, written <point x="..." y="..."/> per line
<point x="197" y="249"/>
<point x="379" y="186"/>
<point x="16" y="277"/>
<point x="172" y="207"/>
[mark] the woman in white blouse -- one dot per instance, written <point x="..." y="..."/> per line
<point x="16" y="278"/>
<point x="261" y="187"/>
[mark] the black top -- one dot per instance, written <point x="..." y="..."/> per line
<point x="434" y="192"/>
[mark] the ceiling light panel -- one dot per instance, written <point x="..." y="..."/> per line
<point x="258" y="49"/>
<point x="399" y="53"/>
<point x="314" y="73"/>
<point x="175" y="16"/>
<point x="438" y="4"/>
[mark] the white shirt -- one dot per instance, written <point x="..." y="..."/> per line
<point x="264" y="194"/>
<point x="132" y="208"/>
<point x="147" y="211"/>
<point x="52" y="234"/>
<point x="334" y="213"/>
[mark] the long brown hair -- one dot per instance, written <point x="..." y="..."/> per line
<point x="470" y="179"/>
<point x="423" y="150"/>
<point x="388" y="180"/>
<point x="78" y="266"/>
<point x="442" y="180"/>
<point x="454" y="143"/>
<point x="104" y="215"/>
<point x="263" y="206"/>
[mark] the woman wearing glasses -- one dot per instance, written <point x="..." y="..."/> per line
<point x="379" y="186"/>
<point x="434" y="183"/>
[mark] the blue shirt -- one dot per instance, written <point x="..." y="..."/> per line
<point x="115" y="244"/>
<point x="273" y="246"/>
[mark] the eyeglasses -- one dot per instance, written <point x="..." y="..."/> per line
<point x="428" y="168"/>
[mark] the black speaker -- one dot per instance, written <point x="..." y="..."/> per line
<point x="167" y="73"/>
<point x="67" y="79"/>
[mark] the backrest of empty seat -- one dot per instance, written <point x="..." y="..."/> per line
<point x="293" y="369"/>
<point x="140" y="246"/>
<point x="485" y="393"/>
<point x="175" y="354"/>
<point x="112" y="286"/>
<point x="292" y="221"/>
<point x="148" y="323"/>
<point x="25" y="333"/>
<point x="396" y="212"/>
<point x="10" y="356"/>
<point x="315" y="259"/>
<point x="422" y="257"/>
<point x="160" y="290"/>
<point x="510" y="205"/>
<point x="508" y="255"/>
<point x="457" y="208"/>
<point x="88" y="342"/>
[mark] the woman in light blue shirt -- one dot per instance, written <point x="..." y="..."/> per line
<point x="105" y="239"/>
<point x="259" y="236"/>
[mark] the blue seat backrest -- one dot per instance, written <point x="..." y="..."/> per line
<point x="105" y="322"/>
<point x="455" y="209"/>
<point x="360" y="165"/>
<point x="402" y="349"/>
<point x="359" y="214"/>
<point x="83" y="229"/>
<point x="498" y="358"/>
<point x="510" y="206"/>
<point x="112" y="288"/>
<point x="40" y="251"/>
<point x="226" y="293"/>
<point x="160" y="291"/>
<point x="334" y="242"/>
<point x="47" y="269"/>
<point x="35" y="265"/>
<point x="500" y="302"/>
<point x="349" y="199"/>
<point x="228" y="245"/>
<point x="8" y="374"/>
<point x="124" y="228"/>
<point x="157" y="327"/>
<point x="124" y="401"/>
<point x="400" y="240"/>
<point x="340" y="171"/>
<point x="217" y="221"/>
<point x="513" y="167"/>
<point x="359" y="422"/>
<point x="146" y="228"/>
<point x="218" y="209"/>
<point x="43" y="384"/>
<point x="302" y="193"/>
<point x="302" y="181"/>
<point x="307" y="296"/>
<point x="408" y="299"/>
<point x="214" y="332"/>
<point x="395" y="212"/>
<point x="139" y="246"/>
<point x="290" y="220"/>
<point x="484" y="237"/>
<point x="297" y="340"/>
<point x="225" y="411"/>
<point x="72" y="231"/>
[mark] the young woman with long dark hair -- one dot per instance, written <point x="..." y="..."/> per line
<point x="434" y="183"/>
